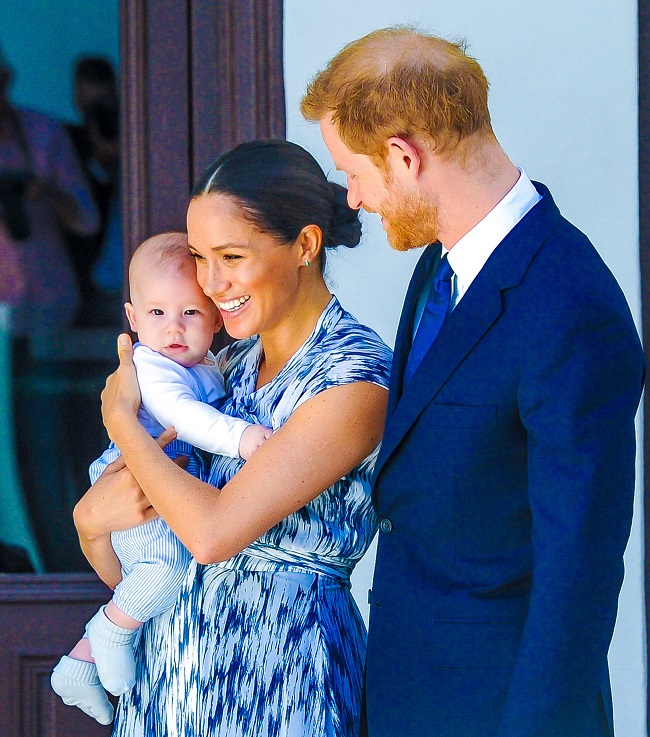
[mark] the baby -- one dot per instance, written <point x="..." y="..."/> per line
<point x="175" y="322"/>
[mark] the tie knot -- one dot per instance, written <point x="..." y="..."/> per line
<point x="444" y="272"/>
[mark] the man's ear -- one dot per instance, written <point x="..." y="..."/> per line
<point x="130" y="316"/>
<point x="403" y="158"/>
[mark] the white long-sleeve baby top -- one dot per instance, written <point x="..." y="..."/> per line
<point x="184" y="397"/>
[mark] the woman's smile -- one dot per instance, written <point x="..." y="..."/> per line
<point x="232" y="306"/>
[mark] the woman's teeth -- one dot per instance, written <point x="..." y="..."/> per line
<point x="233" y="304"/>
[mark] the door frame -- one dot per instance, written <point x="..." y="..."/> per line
<point x="644" y="254"/>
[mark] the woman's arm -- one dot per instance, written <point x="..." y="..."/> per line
<point x="324" y="439"/>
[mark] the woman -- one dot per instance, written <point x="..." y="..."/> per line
<point x="265" y="638"/>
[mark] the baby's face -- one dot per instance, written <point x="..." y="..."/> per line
<point x="171" y="315"/>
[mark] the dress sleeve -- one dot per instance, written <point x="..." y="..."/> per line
<point x="353" y="353"/>
<point x="168" y="397"/>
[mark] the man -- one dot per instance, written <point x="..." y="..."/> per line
<point x="94" y="80"/>
<point x="505" y="481"/>
<point x="96" y="141"/>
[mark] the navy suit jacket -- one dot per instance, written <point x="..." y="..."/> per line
<point x="504" y="488"/>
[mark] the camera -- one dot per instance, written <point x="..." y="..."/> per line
<point x="13" y="203"/>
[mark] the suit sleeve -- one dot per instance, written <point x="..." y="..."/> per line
<point x="578" y="398"/>
<point x="169" y="400"/>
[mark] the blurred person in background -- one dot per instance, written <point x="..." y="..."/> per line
<point x="43" y="196"/>
<point x="97" y="258"/>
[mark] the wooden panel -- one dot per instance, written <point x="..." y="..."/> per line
<point x="136" y="206"/>
<point x="41" y="618"/>
<point x="198" y="77"/>
<point x="237" y="87"/>
<point x="156" y="137"/>
<point x="168" y="114"/>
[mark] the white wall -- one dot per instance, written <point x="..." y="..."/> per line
<point x="563" y="101"/>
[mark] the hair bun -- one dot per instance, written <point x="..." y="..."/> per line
<point x="345" y="226"/>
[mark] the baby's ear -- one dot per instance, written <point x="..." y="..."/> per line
<point x="218" y="322"/>
<point x="130" y="316"/>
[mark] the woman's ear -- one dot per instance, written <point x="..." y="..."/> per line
<point x="403" y="158"/>
<point x="130" y="316"/>
<point x="309" y="242"/>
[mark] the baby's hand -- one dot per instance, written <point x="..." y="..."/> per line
<point x="251" y="439"/>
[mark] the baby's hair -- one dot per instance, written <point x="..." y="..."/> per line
<point x="163" y="253"/>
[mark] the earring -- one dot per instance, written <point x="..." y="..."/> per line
<point x="307" y="262"/>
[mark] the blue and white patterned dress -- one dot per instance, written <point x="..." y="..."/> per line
<point x="270" y="643"/>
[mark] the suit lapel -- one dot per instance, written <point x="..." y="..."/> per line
<point x="405" y="329"/>
<point x="465" y="326"/>
<point x="479" y="309"/>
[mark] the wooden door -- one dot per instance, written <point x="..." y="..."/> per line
<point x="41" y="617"/>
<point x="197" y="77"/>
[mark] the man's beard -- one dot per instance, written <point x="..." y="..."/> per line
<point x="410" y="220"/>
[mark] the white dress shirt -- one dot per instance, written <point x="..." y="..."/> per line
<point x="469" y="254"/>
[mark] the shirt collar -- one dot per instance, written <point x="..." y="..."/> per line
<point x="469" y="254"/>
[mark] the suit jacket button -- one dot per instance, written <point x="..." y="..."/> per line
<point x="386" y="525"/>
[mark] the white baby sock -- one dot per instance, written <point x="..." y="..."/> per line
<point x="112" y="650"/>
<point x="77" y="683"/>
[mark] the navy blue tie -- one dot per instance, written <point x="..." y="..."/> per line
<point x="434" y="315"/>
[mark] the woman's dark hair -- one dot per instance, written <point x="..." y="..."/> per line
<point x="281" y="188"/>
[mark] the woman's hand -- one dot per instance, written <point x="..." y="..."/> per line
<point x="121" y="395"/>
<point x="114" y="502"/>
